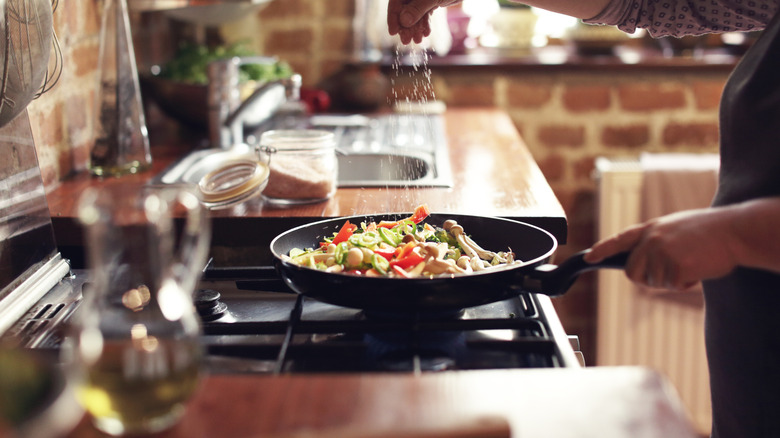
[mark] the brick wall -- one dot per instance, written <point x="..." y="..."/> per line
<point x="568" y="117"/>
<point x="315" y="36"/>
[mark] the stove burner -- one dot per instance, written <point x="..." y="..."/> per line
<point x="407" y="351"/>
<point x="429" y="315"/>
<point x="208" y="305"/>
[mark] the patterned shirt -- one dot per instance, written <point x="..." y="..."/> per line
<point x="687" y="17"/>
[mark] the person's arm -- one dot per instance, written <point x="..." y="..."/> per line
<point x="681" y="249"/>
<point x="575" y="8"/>
<point x="409" y="18"/>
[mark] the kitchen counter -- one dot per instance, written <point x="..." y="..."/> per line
<point x="616" y="402"/>
<point x="494" y="174"/>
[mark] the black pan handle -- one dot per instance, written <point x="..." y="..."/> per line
<point x="555" y="280"/>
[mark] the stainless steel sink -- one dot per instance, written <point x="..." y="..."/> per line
<point x="370" y="170"/>
<point x="397" y="150"/>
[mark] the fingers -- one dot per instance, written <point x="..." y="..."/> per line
<point x="393" y="14"/>
<point x="644" y="265"/>
<point x="410" y="20"/>
<point x="622" y="242"/>
<point x="414" y="11"/>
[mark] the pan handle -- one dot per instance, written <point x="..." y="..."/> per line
<point x="555" y="280"/>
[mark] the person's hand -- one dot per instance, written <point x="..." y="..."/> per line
<point x="410" y="19"/>
<point x="675" y="251"/>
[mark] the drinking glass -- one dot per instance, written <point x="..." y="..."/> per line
<point x="134" y="342"/>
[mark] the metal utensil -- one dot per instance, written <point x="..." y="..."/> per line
<point x="28" y="35"/>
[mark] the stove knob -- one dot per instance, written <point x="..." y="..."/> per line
<point x="208" y="305"/>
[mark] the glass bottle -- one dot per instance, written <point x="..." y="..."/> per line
<point x="121" y="138"/>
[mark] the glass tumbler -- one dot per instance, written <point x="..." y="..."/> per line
<point x="133" y="347"/>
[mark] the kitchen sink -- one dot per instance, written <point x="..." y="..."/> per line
<point x="394" y="150"/>
<point x="369" y="170"/>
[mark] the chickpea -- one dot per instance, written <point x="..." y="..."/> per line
<point x="354" y="257"/>
<point x="367" y="253"/>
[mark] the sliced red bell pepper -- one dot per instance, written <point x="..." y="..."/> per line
<point x="402" y="251"/>
<point x="386" y="252"/>
<point x="344" y="233"/>
<point x="412" y="258"/>
<point x="420" y="213"/>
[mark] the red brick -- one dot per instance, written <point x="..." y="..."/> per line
<point x="583" y="169"/>
<point x="553" y="167"/>
<point x="90" y="18"/>
<point x="285" y="9"/>
<point x="471" y="94"/>
<point x="526" y="95"/>
<point x="83" y="59"/>
<point x="707" y="94"/>
<point x="52" y="118"/>
<point x="339" y="8"/>
<point x="76" y="110"/>
<point x="296" y="41"/>
<point x="586" y="98"/>
<point x="562" y="135"/>
<point x="691" y="134"/>
<point x="339" y="39"/>
<point x="649" y="97"/>
<point x="625" y="136"/>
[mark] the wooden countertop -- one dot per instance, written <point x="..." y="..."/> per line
<point x="598" y="402"/>
<point x="494" y="174"/>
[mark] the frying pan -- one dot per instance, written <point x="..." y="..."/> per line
<point x="531" y="244"/>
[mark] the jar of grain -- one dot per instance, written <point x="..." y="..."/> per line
<point x="303" y="165"/>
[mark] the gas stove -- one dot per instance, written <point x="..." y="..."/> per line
<point x="252" y="322"/>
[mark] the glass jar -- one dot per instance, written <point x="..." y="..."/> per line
<point x="302" y="163"/>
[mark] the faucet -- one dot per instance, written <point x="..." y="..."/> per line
<point x="228" y="114"/>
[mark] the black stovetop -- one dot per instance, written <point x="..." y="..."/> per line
<point x="258" y="325"/>
<point x="264" y="327"/>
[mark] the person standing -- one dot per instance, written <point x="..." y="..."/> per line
<point x="732" y="247"/>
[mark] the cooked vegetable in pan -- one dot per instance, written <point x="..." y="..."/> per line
<point x="406" y="248"/>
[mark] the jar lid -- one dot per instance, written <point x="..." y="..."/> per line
<point x="298" y="139"/>
<point x="234" y="182"/>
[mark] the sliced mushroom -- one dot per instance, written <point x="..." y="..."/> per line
<point x="469" y="246"/>
<point x="435" y="262"/>
<point x="464" y="262"/>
